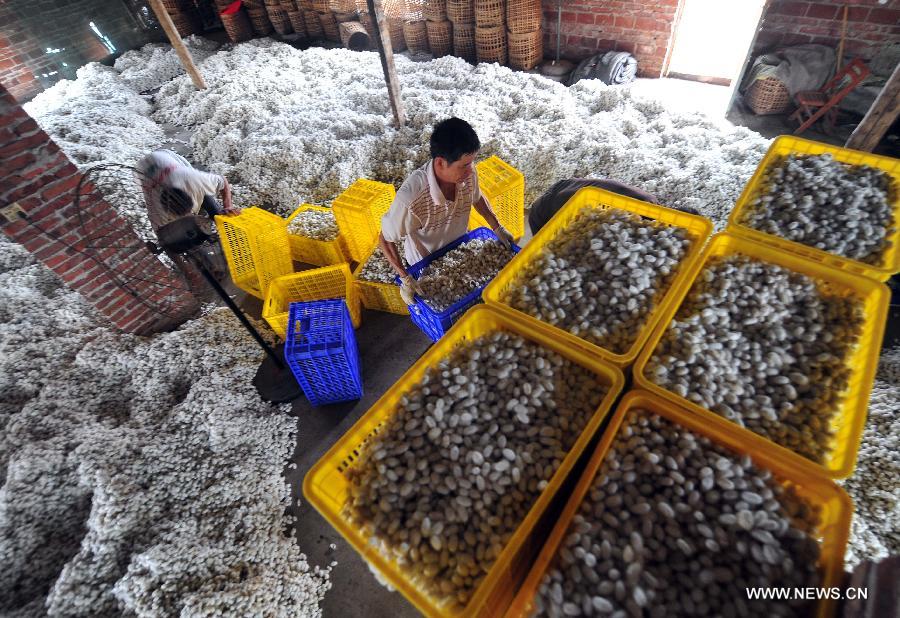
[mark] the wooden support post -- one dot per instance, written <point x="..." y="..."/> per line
<point x="880" y="116"/>
<point x="175" y="39"/>
<point x="386" y="52"/>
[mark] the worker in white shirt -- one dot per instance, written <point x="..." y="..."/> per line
<point x="432" y="207"/>
<point x="173" y="188"/>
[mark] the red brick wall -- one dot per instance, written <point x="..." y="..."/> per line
<point x="28" y="28"/>
<point x="588" y="26"/>
<point x="39" y="177"/>
<point x="870" y="25"/>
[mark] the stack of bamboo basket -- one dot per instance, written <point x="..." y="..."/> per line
<point x="184" y="15"/>
<point x="525" y="35"/>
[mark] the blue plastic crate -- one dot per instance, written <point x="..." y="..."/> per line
<point x="436" y="323"/>
<point x="322" y="353"/>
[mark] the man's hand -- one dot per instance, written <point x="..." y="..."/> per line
<point x="233" y="210"/>
<point x="409" y="287"/>
<point x="505" y="237"/>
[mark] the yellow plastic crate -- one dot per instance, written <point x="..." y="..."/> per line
<point x="312" y="251"/>
<point x="358" y="211"/>
<point x="378" y="296"/>
<point x="849" y="420"/>
<point x="325" y="485"/>
<point x="504" y="187"/>
<point x="785" y="145"/>
<point x="698" y="227"/>
<point x="315" y="284"/>
<point x="837" y="508"/>
<point x="256" y="248"/>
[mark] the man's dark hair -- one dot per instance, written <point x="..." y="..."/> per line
<point x="453" y="139"/>
<point x="175" y="201"/>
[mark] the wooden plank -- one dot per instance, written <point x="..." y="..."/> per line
<point x="880" y="116"/>
<point x="175" y="39"/>
<point x="386" y="52"/>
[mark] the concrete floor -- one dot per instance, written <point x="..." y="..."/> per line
<point x="388" y="344"/>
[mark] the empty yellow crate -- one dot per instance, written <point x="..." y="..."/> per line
<point x="849" y="420"/>
<point x="325" y="485"/>
<point x="358" y="211"/>
<point x="786" y="145"/>
<point x="504" y="187"/>
<point x="699" y="229"/>
<point x="312" y="251"/>
<point x="256" y="248"/>
<point x="836" y="506"/>
<point x="315" y="284"/>
<point x="379" y="296"/>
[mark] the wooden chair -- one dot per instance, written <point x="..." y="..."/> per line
<point x="814" y="104"/>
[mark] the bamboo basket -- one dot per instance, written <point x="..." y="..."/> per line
<point x="280" y="20"/>
<point x="252" y="4"/>
<point x="490" y="44"/>
<point x="525" y="50"/>
<point x="341" y="18"/>
<point x="342" y="6"/>
<point x="187" y="23"/>
<point x="440" y="37"/>
<point x="330" y="27"/>
<point x="768" y="96"/>
<point x="398" y="36"/>
<point x="237" y="26"/>
<point x="175" y="7"/>
<point x="298" y="23"/>
<point x="354" y="36"/>
<point x="523" y="16"/>
<point x="259" y="19"/>
<point x="490" y="13"/>
<point x="289" y="5"/>
<point x="435" y="10"/>
<point x="415" y="33"/>
<point x="313" y="25"/>
<point x="321" y="6"/>
<point x="414" y="10"/>
<point x="461" y="11"/>
<point x="464" y="42"/>
<point x="393" y="8"/>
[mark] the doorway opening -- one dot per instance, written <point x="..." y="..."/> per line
<point x="712" y="39"/>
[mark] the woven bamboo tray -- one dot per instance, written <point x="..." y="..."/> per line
<point x="523" y="16"/>
<point x="440" y="37"/>
<point x="490" y="44"/>
<point x="525" y="50"/>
